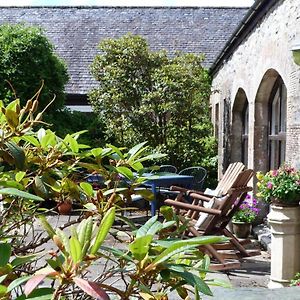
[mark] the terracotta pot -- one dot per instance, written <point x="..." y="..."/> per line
<point x="241" y="230"/>
<point x="64" y="208"/>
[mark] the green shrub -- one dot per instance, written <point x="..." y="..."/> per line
<point x="144" y="95"/>
<point x="26" y="59"/>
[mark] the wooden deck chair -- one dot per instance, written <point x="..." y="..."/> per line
<point x="225" y="183"/>
<point x="210" y="216"/>
<point x="229" y="177"/>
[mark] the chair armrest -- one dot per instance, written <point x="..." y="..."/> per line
<point x="197" y="196"/>
<point x="187" y="206"/>
<point x="192" y="193"/>
<point x="178" y="189"/>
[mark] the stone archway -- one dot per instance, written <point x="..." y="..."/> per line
<point x="262" y="119"/>
<point x="239" y="131"/>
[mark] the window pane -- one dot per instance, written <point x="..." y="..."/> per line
<point x="277" y="121"/>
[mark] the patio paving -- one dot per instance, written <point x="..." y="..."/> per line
<point x="249" y="281"/>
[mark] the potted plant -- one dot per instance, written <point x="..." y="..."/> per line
<point x="280" y="187"/>
<point x="244" y="216"/>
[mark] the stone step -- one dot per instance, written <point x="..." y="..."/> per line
<point x="263" y="234"/>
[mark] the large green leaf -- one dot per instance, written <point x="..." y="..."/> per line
<point x="11" y="184"/>
<point x="5" y="253"/>
<point x="146" y="194"/>
<point x="47" y="226"/>
<point x="12" y="118"/>
<point x="77" y="134"/>
<point x="117" y="253"/>
<point x="17" y="282"/>
<point x="151" y="157"/>
<point x="20" y="260"/>
<point x="167" y="212"/>
<point x="137" y="166"/>
<point x="3" y="290"/>
<point x="87" y="188"/>
<point x="75" y="249"/>
<point x="125" y="172"/>
<point x="32" y="140"/>
<point x="20" y="175"/>
<point x="140" y="246"/>
<point x="183" y="245"/>
<point x="49" y="139"/>
<point x="41" y="187"/>
<point x="21" y="194"/>
<point x="195" y="280"/>
<point x="104" y="228"/>
<point x="17" y="153"/>
<point x="2" y="278"/>
<point x="145" y="228"/>
<point x="96" y="151"/>
<point x="116" y="150"/>
<point x="73" y="144"/>
<point x="136" y="151"/>
<point x="117" y="190"/>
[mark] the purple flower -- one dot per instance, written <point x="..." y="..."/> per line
<point x="269" y="185"/>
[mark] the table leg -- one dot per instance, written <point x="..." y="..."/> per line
<point x="153" y="204"/>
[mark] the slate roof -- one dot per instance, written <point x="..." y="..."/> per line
<point x="76" y="31"/>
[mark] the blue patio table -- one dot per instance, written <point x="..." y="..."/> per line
<point x="165" y="180"/>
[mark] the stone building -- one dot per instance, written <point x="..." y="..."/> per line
<point x="256" y="98"/>
<point x="256" y="103"/>
<point x="76" y="32"/>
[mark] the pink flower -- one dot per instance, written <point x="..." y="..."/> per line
<point x="269" y="185"/>
<point x="275" y="173"/>
<point x="298" y="182"/>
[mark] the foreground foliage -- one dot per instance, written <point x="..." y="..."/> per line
<point x="39" y="165"/>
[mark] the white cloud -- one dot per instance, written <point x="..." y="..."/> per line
<point x="129" y="2"/>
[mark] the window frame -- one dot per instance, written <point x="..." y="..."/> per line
<point x="277" y="124"/>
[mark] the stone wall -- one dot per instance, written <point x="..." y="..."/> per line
<point x="253" y="68"/>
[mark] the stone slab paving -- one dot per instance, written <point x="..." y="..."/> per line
<point x="249" y="281"/>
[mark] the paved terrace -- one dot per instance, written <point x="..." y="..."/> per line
<point x="249" y="282"/>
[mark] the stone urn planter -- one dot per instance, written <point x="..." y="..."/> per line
<point x="292" y="202"/>
<point x="242" y="230"/>
<point x="285" y="244"/>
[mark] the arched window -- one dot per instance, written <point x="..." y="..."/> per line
<point x="277" y="124"/>
<point x="240" y="128"/>
<point x="245" y="132"/>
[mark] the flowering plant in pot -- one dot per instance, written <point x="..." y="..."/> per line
<point x="280" y="187"/>
<point x="244" y="216"/>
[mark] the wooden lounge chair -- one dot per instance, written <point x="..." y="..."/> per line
<point x="229" y="177"/>
<point x="210" y="216"/>
<point x="225" y="183"/>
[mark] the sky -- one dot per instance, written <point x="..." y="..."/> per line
<point x="240" y="3"/>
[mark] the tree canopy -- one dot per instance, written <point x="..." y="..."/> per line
<point x="145" y="95"/>
<point x="27" y="59"/>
